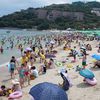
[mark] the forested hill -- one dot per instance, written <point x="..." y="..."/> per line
<point x="77" y="15"/>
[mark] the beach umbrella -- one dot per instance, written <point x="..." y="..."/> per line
<point x="95" y="56"/>
<point x="48" y="91"/>
<point x="86" y="73"/>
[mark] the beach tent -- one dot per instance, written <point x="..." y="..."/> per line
<point x="47" y="91"/>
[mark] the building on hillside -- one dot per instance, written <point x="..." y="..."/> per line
<point x="96" y="11"/>
<point x="54" y="14"/>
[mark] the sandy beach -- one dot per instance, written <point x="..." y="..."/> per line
<point x="79" y="90"/>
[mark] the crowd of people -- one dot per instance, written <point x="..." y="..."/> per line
<point x="26" y="68"/>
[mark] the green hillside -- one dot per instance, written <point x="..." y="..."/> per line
<point x="28" y="18"/>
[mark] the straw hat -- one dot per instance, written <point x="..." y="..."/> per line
<point x="15" y="81"/>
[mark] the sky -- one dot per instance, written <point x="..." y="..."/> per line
<point x="10" y="6"/>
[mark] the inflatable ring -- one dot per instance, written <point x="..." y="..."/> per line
<point x="87" y="73"/>
<point x="59" y="64"/>
<point x="15" y="95"/>
<point x="91" y="81"/>
<point x="69" y="65"/>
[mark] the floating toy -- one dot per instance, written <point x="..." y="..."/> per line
<point x="91" y="81"/>
<point x="15" y="95"/>
<point x="69" y="65"/>
<point x="86" y="73"/>
<point x="59" y="64"/>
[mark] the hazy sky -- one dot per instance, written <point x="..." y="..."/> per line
<point x="9" y="6"/>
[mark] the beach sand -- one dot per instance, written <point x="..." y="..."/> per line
<point x="79" y="90"/>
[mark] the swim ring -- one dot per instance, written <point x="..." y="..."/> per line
<point x="15" y="95"/>
<point x="91" y="81"/>
<point x="69" y="65"/>
<point x="59" y="64"/>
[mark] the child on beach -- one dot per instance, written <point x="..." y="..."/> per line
<point x="84" y="61"/>
<point x="74" y="53"/>
<point x="34" y="72"/>
<point x="42" y="69"/>
<point x="42" y="57"/>
<point x="3" y="90"/>
<point x="21" y="72"/>
<point x="51" y="63"/>
<point x="24" y="59"/>
<point x="16" y="85"/>
<point x="27" y="73"/>
<point x="12" y="68"/>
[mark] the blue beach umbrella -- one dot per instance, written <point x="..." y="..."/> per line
<point x="48" y="91"/>
<point x="95" y="56"/>
<point x="86" y="73"/>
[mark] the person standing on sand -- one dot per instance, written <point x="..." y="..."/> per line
<point x="21" y="72"/>
<point x="84" y="61"/>
<point x="13" y="62"/>
<point x="74" y="53"/>
<point x="12" y="68"/>
<point x="27" y="73"/>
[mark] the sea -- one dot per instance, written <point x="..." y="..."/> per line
<point x="9" y="35"/>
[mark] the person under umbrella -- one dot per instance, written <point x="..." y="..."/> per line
<point x="47" y="91"/>
<point x="66" y="81"/>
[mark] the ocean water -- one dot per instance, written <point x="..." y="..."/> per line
<point x="17" y="36"/>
